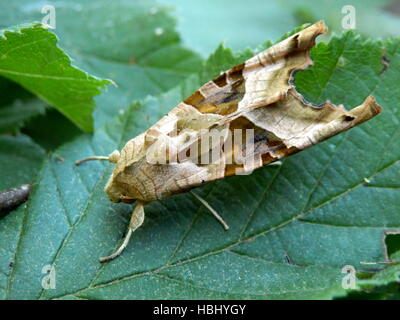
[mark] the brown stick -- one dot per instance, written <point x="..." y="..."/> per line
<point x="11" y="198"/>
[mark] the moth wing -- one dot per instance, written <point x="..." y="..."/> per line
<point x="256" y="99"/>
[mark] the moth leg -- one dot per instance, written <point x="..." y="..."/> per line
<point x="112" y="157"/>
<point x="215" y="213"/>
<point x="136" y="221"/>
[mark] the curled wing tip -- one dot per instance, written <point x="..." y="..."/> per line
<point x="373" y="105"/>
<point x="317" y="28"/>
<point x="367" y="110"/>
<point x="321" y="26"/>
<point x="307" y="36"/>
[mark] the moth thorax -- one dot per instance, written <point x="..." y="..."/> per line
<point x="114" y="156"/>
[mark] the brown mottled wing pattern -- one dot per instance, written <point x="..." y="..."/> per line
<point x="259" y="95"/>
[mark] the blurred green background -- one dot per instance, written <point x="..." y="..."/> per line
<point x="203" y="24"/>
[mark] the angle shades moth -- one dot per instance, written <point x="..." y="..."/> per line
<point x="256" y="116"/>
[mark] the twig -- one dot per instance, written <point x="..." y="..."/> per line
<point x="11" y="198"/>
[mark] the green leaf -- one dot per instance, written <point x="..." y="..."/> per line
<point x="385" y="283"/>
<point x="134" y="43"/>
<point x="42" y="128"/>
<point x="15" y="115"/>
<point x="293" y="227"/>
<point x="334" y="12"/>
<point x="11" y="91"/>
<point x="16" y="106"/>
<point x="20" y="159"/>
<point x="29" y="56"/>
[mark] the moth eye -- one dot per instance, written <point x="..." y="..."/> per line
<point x="114" y="156"/>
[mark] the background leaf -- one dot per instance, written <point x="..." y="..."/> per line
<point x="242" y="25"/>
<point x="16" y="106"/>
<point x="383" y="13"/>
<point x="16" y="114"/>
<point x="134" y="43"/>
<point x="20" y="159"/>
<point x="249" y="25"/>
<point x="30" y="57"/>
<point x="51" y="130"/>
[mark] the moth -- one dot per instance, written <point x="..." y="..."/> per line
<point x="255" y="115"/>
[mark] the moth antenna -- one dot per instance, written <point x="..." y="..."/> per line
<point x="112" y="157"/>
<point x="136" y="221"/>
<point x="78" y="162"/>
<point x="215" y="213"/>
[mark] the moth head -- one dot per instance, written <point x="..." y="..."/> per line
<point x="113" y="189"/>
<point x="116" y="190"/>
<point x="122" y="187"/>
